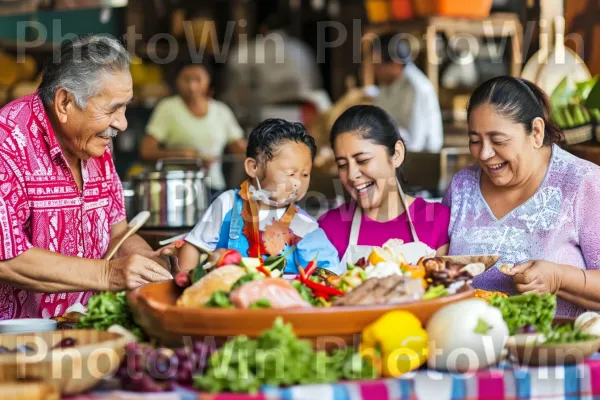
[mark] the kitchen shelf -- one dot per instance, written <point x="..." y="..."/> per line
<point x="497" y="25"/>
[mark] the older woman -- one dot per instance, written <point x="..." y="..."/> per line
<point x="527" y="200"/>
<point x="61" y="201"/>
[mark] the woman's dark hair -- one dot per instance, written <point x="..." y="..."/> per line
<point x="271" y="133"/>
<point x="371" y="123"/>
<point x="519" y="100"/>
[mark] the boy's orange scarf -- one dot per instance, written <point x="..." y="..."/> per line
<point x="276" y="236"/>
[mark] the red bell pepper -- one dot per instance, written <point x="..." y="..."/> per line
<point x="317" y="287"/>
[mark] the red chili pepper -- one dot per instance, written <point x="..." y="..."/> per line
<point x="322" y="288"/>
<point x="324" y="296"/>
<point x="263" y="270"/>
<point x="310" y="268"/>
<point x="302" y="275"/>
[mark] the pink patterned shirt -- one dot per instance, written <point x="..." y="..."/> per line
<point x="41" y="205"/>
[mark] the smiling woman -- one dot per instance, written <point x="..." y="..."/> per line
<point x="369" y="151"/>
<point x="528" y="200"/>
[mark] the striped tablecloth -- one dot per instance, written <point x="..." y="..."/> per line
<point x="506" y="381"/>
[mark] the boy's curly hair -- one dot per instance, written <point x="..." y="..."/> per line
<point x="271" y="133"/>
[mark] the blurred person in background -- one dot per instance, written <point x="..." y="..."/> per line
<point x="275" y="67"/>
<point x="408" y="96"/>
<point x="192" y="125"/>
<point x="404" y="92"/>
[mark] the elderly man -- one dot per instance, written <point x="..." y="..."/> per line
<point x="61" y="201"/>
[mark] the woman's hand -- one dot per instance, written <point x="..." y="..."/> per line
<point x="539" y="277"/>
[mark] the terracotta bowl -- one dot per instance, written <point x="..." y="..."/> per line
<point x="154" y="309"/>
<point x="70" y="370"/>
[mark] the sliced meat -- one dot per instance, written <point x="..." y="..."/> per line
<point x="405" y="291"/>
<point x="390" y="290"/>
<point x="356" y="294"/>
<point x="219" y="279"/>
<point x="379" y="293"/>
<point x="279" y="292"/>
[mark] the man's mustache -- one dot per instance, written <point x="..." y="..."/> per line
<point x="110" y="132"/>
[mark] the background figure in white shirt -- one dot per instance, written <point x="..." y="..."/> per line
<point x="193" y="125"/>
<point x="408" y="96"/>
<point x="272" y="68"/>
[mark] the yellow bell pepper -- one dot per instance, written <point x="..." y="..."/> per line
<point x="397" y="343"/>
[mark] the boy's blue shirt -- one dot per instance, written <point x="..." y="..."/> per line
<point x="226" y="213"/>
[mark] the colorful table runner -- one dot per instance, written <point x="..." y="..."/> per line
<point x="506" y="381"/>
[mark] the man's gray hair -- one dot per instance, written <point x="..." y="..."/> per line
<point x="78" y="66"/>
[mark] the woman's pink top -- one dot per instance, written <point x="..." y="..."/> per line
<point x="431" y="222"/>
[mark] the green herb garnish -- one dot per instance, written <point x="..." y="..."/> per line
<point x="278" y="358"/>
<point x="107" y="309"/>
<point x="261" y="303"/>
<point x="435" y="292"/>
<point x="566" y="334"/>
<point x="219" y="299"/>
<point x="252" y="276"/>
<point x="526" y="311"/>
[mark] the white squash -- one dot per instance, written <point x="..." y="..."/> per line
<point x="466" y="336"/>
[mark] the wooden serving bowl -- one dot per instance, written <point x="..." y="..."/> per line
<point x="71" y="370"/>
<point x="154" y="309"/>
<point x="525" y="349"/>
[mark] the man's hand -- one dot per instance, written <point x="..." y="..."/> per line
<point x="130" y="272"/>
<point x="164" y="256"/>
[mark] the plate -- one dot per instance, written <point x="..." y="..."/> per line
<point x="153" y="307"/>
<point x="27" y="325"/>
<point x="525" y="349"/>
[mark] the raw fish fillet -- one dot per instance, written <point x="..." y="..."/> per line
<point x="279" y="292"/>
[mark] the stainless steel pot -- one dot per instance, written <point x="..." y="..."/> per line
<point x="175" y="198"/>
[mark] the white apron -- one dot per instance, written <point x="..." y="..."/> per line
<point x="412" y="251"/>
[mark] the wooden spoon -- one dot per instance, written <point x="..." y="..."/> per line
<point x="134" y="225"/>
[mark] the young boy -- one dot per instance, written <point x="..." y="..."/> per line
<point x="260" y="219"/>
